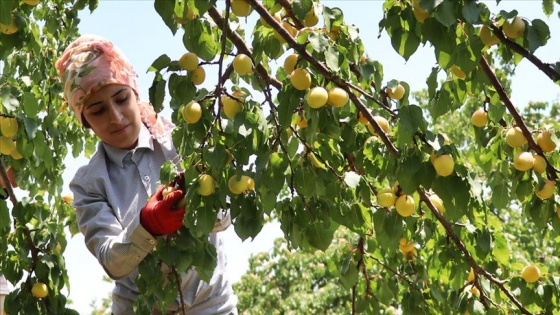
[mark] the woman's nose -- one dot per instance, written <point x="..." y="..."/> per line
<point x="115" y="115"/>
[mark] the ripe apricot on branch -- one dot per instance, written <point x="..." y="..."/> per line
<point x="9" y="29"/>
<point x="419" y="13"/>
<point x="458" y="72"/>
<point x="474" y="290"/>
<point x="300" y="79"/>
<point x="362" y="119"/>
<point x="237" y="184"/>
<point x="311" y="18"/>
<point x="192" y="112"/>
<point x="6" y="145"/>
<point x="337" y="97"/>
<point x="515" y="137"/>
<point x="487" y="37"/>
<point x="277" y="16"/>
<point x="250" y="182"/>
<point x="290" y="63"/>
<point x="531" y="273"/>
<point x="444" y="165"/>
<point x="396" y="92"/>
<point x="31" y="2"/>
<point x="8" y="126"/>
<point x="547" y="190"/>
<point x="539" y="164"/>
<point x="206" y="185"/>
<point x="231" y="106"/>
<point x="198" y="76"/>
<point x="39" y="290"/>
<point x="437" y="202"/>
<point x="407" y="248"/>
<point x="67" y="199"/>
<point x="544" y="141"/>
<point x="515" y="28"/>
<point x="189" y="61"/>
<point x="382" y="122"/>
<point x="386" y="198"/>
<point x="288" y="27"/>
<point x="523" y="161"/>
<point x="315" y="160"/>
<point x="317" y="97"/>
<point x="471" y="276"/>
<point x="242" y="64"/>
<point x="479" y="118"/>
<point x="301" y="121"/>
<point x="241" y="8"/>
<point x="405" y="205"/>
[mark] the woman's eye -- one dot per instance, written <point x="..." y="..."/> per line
<point x="97" y="112"/>
<point x="122" y="100"/>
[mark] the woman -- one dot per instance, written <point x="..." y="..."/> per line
<point x="110" y="192"/>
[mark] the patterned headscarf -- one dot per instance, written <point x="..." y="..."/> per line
<point x="91" y="62"/>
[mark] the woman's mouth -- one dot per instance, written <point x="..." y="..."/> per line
<point x="120" y="129"/>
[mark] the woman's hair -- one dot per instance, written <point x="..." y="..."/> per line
<point x="89" y="63"/>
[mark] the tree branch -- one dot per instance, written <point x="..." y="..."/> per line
<point x="544" y="67"/>
<point x="516" y="116"/>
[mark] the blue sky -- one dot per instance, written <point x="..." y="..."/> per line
<point x="140" y="33"/>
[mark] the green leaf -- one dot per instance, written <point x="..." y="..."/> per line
<point x="166" y="10"/>
<point x="157" y="92"/>
<point x="445" y="13"/>
<point x="332" y="56"/>
<point x="199" y="39"/>
<point x="438" y="35"/>
<point x="432" y="82"/>
<point x="318" y="42"/>
<point x="6" y="8"/>
<point x="483" y="243"/>
<point x="301" y="7"/>
<point x="404" y="42"/>
<point x="4" y="215"/>
<point x="410" y="122"/>
<point x="406" y="174"/>
<point x="349" y="272"/>
<point x="333" y="17"/>
<point x="305" y="181"/>
<point x="538" y="34"/>
<point x="548" y="7"/>
<point x="501" y="251"/>
<point x="30" y="104"/>
<point x="320" y="234"/>
<point x="471" y="12"/>
<point x="500" y="196"/>
<point x="160" y="63"/>
<point x="288" y="100"/>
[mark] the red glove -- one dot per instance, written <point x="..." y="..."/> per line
<point x="159" y="216"/>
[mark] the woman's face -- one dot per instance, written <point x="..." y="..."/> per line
<point x="113" y="114"/>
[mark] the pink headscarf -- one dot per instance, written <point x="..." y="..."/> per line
<point x="91" y="62"/>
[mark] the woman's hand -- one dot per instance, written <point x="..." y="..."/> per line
<point x="159" y="216"/>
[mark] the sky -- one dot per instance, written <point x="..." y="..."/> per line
<point x="135" y="27"/>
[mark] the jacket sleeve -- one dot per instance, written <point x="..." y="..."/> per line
<point x="119" y="249"/>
